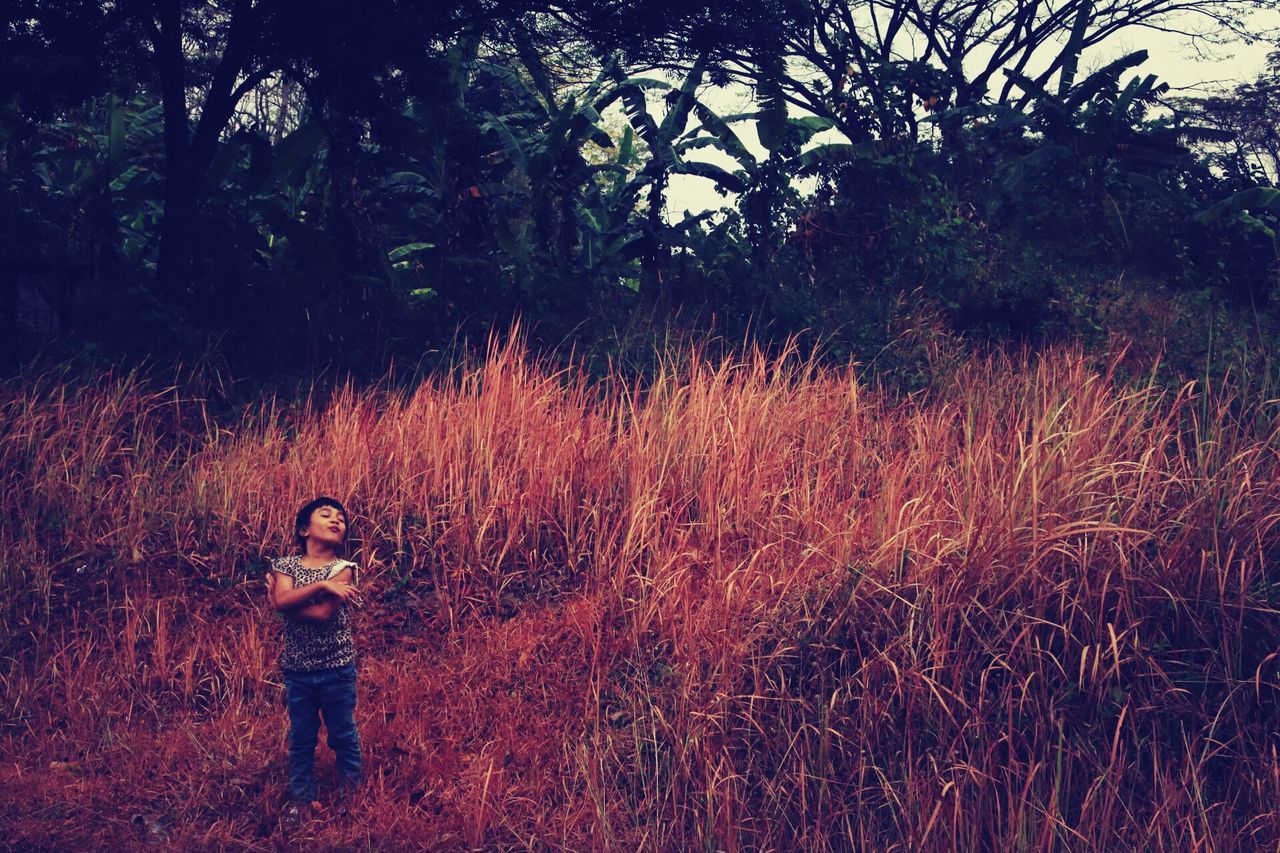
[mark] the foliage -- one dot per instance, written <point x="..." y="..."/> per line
<point x="396" y="199"/>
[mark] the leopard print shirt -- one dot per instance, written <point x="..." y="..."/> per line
<point x="308" y="645"/>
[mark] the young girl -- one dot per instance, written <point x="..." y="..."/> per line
<point x="311" y="589"/>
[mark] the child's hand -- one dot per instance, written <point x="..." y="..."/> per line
<point x="271" y="588"/>
<point x="344" y="591"/>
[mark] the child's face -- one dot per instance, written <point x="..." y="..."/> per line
<point x="328" y="525"/>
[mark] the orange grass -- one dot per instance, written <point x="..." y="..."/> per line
<point x="751" y="603"/>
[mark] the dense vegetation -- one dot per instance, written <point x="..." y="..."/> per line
<point x="236" y="183"/>
<point x="925" y="496"/>
<point x="758" y="604"/>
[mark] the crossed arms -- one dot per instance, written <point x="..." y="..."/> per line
<point x="316" y="602"/>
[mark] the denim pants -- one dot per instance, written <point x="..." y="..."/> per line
<point x="330" y="693"/>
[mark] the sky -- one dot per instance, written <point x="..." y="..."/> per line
<point x="1172" y="60"/>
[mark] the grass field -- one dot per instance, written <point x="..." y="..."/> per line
<point x="749" y="603"/>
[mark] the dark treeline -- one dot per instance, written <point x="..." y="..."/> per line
<point x="280" y="186"/>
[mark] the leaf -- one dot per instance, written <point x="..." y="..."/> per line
<point x="636" y="108"/>
<point x="588" y="123"/>
<point x="800" y="130"/>
<point x="606" y="167"/>
<point x="589" y="217"/>
<point x="292" y="156"/>
<point x="1252" y="223"/>
<point x="694" y="143"/>
<point x="673" y="124"/>
<point x="1001" y="116"/>
<point x="1173" y="155"/>
<point x="259" y="157"/>
<point x="816" y="124"/>
<point x="532" y="61"/>
<point x="1105" y="76"/>
<point x="401" y="252"/>
<point x="771" y="120"/>
<point x="1146" y="183"/>
<point x="722" y="136"/>
<point x="553" y="142"/>
<point x="732" y="181"/>
<point x="1258" y="199"/>
<point x="1196" y="133"/>
<point x="514" y="86"/>
<point x="1026" y="84"/>
<point x="148" y="124"/>
<point x="627" y="149"/>
<point x="510" y="145"/>
<point x="631" y="249"/>
<point x="833" y="152"/>
<point x="115" y="135"/>
<point x="399" y="178"/>
<point x="691" y="220"/>
<point x="1135" y="89"/>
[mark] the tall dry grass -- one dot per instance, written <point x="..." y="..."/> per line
<point x="751" y="603"/>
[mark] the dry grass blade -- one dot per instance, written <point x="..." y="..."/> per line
<point x="747" y="604"/>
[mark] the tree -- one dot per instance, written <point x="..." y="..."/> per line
<point x="1250" y="113"/>
<point x="874" y="66"/>
<point x="231" y="46"/>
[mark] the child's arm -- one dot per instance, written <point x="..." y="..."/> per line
<point x="287" y="597"/>
<point x="329" y="603"/>
<point x="302" y="600"/>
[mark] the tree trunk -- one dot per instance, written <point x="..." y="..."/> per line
<point x="187" y="155"/>
<point x="1072" y="51"/>
<point x="287" y="89"/>
<point x="174" y="264"/>
<point x="652" y="265"/>
<point x="355" y="234"/>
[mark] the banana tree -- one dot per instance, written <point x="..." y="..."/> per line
<point x="543" y="143"/>
<point x="584" y="214"/>
<point x="92" y="196"/>
<point x="771" y="198"/>
<point x="1099" y="118"/>
<point x="668" y="138"/>
<point x="1255" y="210"/>
<point x="1090" y="146"/>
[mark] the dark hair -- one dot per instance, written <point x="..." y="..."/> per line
<point x="304" y="519"/>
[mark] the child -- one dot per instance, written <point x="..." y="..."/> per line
<point x="312" y="589"/>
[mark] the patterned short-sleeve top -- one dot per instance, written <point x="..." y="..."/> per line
<point x="310" y="645"/>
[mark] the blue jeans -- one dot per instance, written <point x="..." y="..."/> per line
<point x="330" y="693"/>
